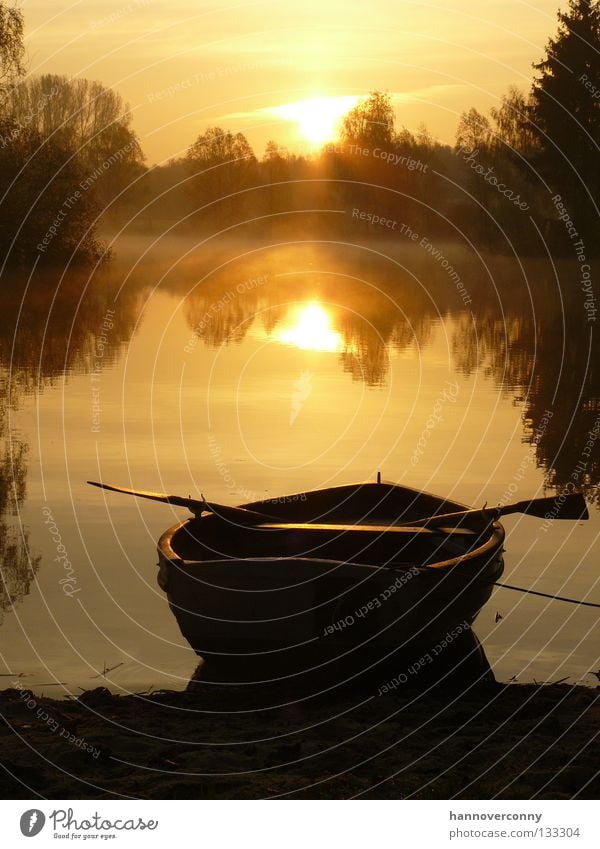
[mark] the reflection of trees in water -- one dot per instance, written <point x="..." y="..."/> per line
<point x="568" y="384"/>
<point x="363" y="310"/>
<point x="546" y="356"/>
<point x="17" y="567"/>
<point x="520" y="331"/>
<point x="503" y="348"/>
<point x="50" y="327"/>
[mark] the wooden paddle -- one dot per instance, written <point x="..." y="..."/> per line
<point x="236" y="515"/>
<point x="570" y="506"/>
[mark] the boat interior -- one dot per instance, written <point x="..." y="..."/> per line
<point x="350" y="524"/>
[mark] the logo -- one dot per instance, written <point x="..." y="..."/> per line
<point x="302" y="389"/>
<point x="32" y="822"/>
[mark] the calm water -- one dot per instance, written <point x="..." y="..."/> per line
<point x="248" y="370"/>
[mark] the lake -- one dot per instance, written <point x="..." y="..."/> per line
<point x="243" y="370"/>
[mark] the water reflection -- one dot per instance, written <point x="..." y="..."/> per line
<point x="52" y="325"/>
<point x="296" y="333"/>
<point x="525" y="330"/>
<point x="309" y="328"/>
<point x="17" y="565"/>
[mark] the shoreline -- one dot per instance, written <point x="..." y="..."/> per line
<point x="216" y="741"/>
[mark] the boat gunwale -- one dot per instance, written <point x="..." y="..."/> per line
<point x="165" y="548"/>
<point x="493" y="541"/>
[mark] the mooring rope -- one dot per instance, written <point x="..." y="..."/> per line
<point x="547" y="595"/>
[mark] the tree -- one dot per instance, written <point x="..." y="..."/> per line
<point x="371" y="122"/>
<point x="82" y="116"/>
<point x="11" y="45"/>
<point x="44" y="211"/>
<point x="473" y="131"/>
<point x="513" y="130"/>
<point x="566" y="111"/>
<point x="220" y="147"/>
<point x="221" y="164"/>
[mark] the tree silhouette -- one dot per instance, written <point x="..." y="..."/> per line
<point x="220" y="163"/>
<point x="371" y="122"/>
<point x="11" y="45"/>
<point x="473" y="131"/>
<point x="566" y="110"/>
<point x="513" y="132"/>
<point x="84" y="117"/>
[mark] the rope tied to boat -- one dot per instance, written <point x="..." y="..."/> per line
<point x="546" y="595"/>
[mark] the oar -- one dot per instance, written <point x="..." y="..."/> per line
<point x="237" y="515"/>
<point x="570" y="506"/>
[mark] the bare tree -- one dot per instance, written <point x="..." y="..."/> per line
<point x="473" y="131"/>
<point x="12" y="50"/>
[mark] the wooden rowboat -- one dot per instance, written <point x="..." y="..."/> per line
<point x="335" y="579"/>
<point x="330" y="574"/>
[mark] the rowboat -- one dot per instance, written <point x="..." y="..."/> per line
<point x="334" y="579"/>
<point x="330" y="575"/>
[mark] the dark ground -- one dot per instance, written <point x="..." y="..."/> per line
<point x="492" y="741"/>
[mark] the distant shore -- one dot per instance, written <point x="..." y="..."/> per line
<point x="507" y="741"/>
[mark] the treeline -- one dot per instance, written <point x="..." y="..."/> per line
<point x="67" y="151"/>
<point x="525" y="175"/>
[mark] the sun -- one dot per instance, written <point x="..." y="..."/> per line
<point x="317" y="119"/>
<point x="311" y="330"/>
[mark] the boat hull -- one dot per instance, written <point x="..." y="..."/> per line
<point x="300" y="611"/>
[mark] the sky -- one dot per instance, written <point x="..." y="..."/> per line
<point x="185" y="65"/>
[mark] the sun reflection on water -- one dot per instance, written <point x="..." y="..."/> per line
<point x="310" y="329"/>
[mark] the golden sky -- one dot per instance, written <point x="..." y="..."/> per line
<point x="183" y="65"/>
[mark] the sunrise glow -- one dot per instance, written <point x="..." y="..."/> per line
<point x="317" y="119"/>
